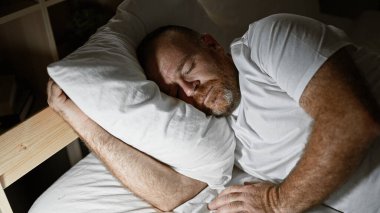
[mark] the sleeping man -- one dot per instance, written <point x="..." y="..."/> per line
<point x="303" y="117"/>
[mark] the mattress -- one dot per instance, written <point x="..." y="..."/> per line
<point x="89" y="187"/>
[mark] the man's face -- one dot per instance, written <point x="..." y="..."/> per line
<point x="202" y="76"/>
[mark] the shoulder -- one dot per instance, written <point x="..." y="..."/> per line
<point x="278" y="23"/>
<point x="282" y="24"/>
<point x="284" y="19"/>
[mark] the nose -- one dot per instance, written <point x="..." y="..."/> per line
<point x="189" y="87"/>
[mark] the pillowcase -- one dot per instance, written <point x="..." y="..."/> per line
<point x="105" y="80"/>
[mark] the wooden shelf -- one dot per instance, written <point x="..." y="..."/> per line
<point x="30" y="32"/>
<point x="30" y="143"/>
<point x="24" y="45"/>
<point x="17" y="10"/>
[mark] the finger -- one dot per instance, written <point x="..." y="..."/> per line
<point x="224" y="200"/>
<point x="55" y="90"/>
<point x="48" y="87"/>
<point x="237" y="206"/>
<point x="231" y="189"/>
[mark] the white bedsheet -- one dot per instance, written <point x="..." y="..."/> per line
<point x="89" y="187"/>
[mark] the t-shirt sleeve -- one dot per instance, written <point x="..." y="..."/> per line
<point x="291" y="49"/>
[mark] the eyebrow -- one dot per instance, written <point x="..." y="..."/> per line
<point x="183" y="61"/>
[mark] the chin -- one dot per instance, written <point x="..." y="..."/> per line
<point x="222" y="110"/>
<point x="225" y="104"/>
<point x="222" y="102"/>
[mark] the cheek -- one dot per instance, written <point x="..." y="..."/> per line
<point x="206" y="69"/>
<point x="212" y="96"/>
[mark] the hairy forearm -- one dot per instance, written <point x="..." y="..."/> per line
<point x="155" y="182"/>
<point x="334" y="151"/>
<point x="344" y="129"/>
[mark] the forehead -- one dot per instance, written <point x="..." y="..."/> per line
<point x="166" y="59"/>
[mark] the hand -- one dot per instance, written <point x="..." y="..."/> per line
<point x="250" y="197"/>
<point x="56" y="99"/>
<point x="63" y="105"/>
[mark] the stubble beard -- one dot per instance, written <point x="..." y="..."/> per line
<point x="222" y="100"/>
<point x="224" y="109"/>
<point x="226" y="92"/>
<point x="229" y="101"/>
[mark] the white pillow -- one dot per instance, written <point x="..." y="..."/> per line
<point x="105" y="80"/>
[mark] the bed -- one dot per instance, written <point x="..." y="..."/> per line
<point x="88" y="186"/>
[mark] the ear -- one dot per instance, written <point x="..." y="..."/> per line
<point x="210" y="41"/>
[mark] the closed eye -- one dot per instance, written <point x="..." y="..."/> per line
<point x="190" y="68"/>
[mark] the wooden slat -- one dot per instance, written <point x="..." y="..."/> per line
<point x="32" y="142"/>
<point x="19" y="13"/>
<point x="49" y="31"/>
<point x="4" y="204"/>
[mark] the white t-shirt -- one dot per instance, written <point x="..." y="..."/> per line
<point x="276" y="58"/>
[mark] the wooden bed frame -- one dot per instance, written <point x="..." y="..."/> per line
<point x="29" y="144"/>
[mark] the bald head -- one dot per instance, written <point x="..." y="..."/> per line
<point x="176" y="36"/>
